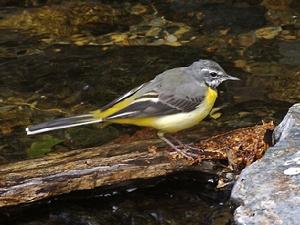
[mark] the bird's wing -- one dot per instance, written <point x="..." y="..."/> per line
<point x="122" y="97"/>
<point x="154" y="103"/>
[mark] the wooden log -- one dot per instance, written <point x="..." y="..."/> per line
<point x="36" y="179"/>
<point x="32" y="180"/>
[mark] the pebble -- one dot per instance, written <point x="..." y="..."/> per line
<point x="247" y="39"/>
<point x="268" y="32"/>
<point x="171" y="38"/>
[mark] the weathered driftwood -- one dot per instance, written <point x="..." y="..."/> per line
<point x="36" y="179"/>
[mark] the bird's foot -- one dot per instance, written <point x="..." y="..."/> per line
<point x="186" y="151"/>
<point x="191" y="148"/>
<point x="181" y="150"/>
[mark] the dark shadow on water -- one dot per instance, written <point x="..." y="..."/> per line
<point x="181" y="198"/>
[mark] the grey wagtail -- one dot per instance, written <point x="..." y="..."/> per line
<point x="174" y="100"/>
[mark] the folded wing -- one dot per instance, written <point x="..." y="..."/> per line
<point x="154" y="104"/>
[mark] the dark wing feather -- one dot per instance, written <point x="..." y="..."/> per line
<point x="166" y="105"/>
<point x="185" y="104"/>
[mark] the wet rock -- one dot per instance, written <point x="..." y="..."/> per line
<point x="157" y="31"/>
<point x="91" y="23"/>
<point x="138" y="9"/>
<point x="288" y="129"/>
<point x="268" y="32"/>
<point x="247" y="39"/>
<point x="288" y="35"/>
<point x="64" y="20"/>
<point x="268" y="190"/>
<point x="290" y="52"/>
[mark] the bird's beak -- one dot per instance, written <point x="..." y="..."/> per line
<point x="228" y="77"/>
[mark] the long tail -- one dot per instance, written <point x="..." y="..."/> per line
<point x="62" y="123"/>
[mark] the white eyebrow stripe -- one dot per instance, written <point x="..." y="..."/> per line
<point x="212" y="71"/>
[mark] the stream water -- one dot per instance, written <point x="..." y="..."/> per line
<point x="61" y="58"/>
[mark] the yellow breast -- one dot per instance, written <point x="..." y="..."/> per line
<point x="181" y="121"/>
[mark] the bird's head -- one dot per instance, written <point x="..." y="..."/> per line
<point x="210" y="72"/>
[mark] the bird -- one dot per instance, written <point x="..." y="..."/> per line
<point x="175" y="100"/>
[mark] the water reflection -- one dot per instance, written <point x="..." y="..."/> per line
<point x="181" y="198"/>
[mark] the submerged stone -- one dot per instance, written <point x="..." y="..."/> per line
<point x="268" y="32"/>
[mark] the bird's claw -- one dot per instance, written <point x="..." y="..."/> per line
<point x="185" y="152"/>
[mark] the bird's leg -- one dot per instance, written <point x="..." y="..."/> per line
<point x="184" y="152"/>
<point x="185" y="146"/>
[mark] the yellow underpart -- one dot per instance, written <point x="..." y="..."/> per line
<point x="166" y="124"/>
<point x="142" y="122"/>
<point x="180" y="121"/>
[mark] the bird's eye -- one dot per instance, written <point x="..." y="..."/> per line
<point x="213" y="74"/>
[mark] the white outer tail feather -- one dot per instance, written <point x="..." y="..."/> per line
<point x="62" y="123"/>
<point x="60" y="127"/>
